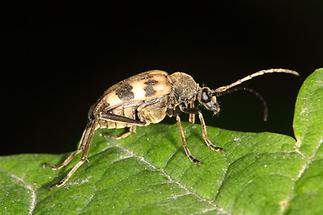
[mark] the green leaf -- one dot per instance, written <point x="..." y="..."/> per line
<point x="148" y="173"/>
<point x="308" y="127"/>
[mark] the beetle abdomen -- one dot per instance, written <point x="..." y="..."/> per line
<point x="129" y="112"/>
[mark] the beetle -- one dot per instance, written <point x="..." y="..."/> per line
<point x="147" y="98"/>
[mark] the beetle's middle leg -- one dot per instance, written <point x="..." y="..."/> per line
<point x="131" y="130"/>
<point x="184" y="144"/>
<point x="204" y="135"/>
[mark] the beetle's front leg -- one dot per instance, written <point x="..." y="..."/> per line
<point x="184" y="144"/>
<point x="204" y="135"/>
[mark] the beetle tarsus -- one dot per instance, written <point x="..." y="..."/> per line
<point x="50" y="165"/>
<point x="55" y="166"/>
<point x="214" y="147"/>
<point x="71" y="172"/>
<point x="66" y="161"/>
<point x="193" y="159"/>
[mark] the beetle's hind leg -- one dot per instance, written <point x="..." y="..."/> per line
<point x="84" y="148"/>
<point x="205" y="138"/>
<point x="73" y="154"/>
<point x="184" y="144"/>
<point x="66" y="161"/>
<point x="74" y="169"/>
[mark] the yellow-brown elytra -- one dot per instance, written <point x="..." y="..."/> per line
<point x="147" y="98"/>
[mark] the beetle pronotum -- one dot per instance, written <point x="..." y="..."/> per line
<point x="147" y="98"/>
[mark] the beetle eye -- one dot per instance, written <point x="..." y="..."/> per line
<point x="205" y="97"/>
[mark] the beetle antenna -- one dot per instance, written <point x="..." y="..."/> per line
<point x="262" y="72"/>
<point x="255" y="93"/>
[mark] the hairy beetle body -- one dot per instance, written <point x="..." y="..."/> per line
<point x="149" y="97"/>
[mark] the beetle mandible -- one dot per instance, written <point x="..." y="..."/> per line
<point x="147" y="98"/>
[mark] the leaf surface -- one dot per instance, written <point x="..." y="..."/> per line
<point x="148" y="173"/>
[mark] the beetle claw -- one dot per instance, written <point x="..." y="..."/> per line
<point x="214" y="147"/>
<point x="52" y="166"/>
<point x="194" y="160"/>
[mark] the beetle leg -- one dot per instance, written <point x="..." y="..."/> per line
<point x="131" y="130"/>
<point x="204" y="135"/>
<point x="72" y="155"/>
<point x="191" y="116"/>
<point x="84" y="148"/>
<point x="74" y="169"/>
<point x="193" y="110"/>
<point x="66" y="161"/>
<point x="184" y="144"/>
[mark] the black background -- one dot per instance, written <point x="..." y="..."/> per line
<point x="59" y="62"/>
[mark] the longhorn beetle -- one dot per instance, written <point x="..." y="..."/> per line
<point x="147" y="98"/>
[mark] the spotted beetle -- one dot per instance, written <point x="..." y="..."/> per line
<point x="147" y="98"/>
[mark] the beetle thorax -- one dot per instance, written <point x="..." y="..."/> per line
<point x="184" y="88"/>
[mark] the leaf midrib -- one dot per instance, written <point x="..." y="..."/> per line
<point x="142" y="160"/>
<point x="25" y="185"/>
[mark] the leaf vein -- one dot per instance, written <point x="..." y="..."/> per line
<point x="27" y="186"/>
<point x="170" y="179"/>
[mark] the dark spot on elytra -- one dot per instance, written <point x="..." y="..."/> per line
<point x="124" y="92"/>
<point x="151" y="82"/>
<point x="149" y="89"/>
<point x="145" y="76"/>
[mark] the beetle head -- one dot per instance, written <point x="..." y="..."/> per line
<point x="207" y="98"/>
